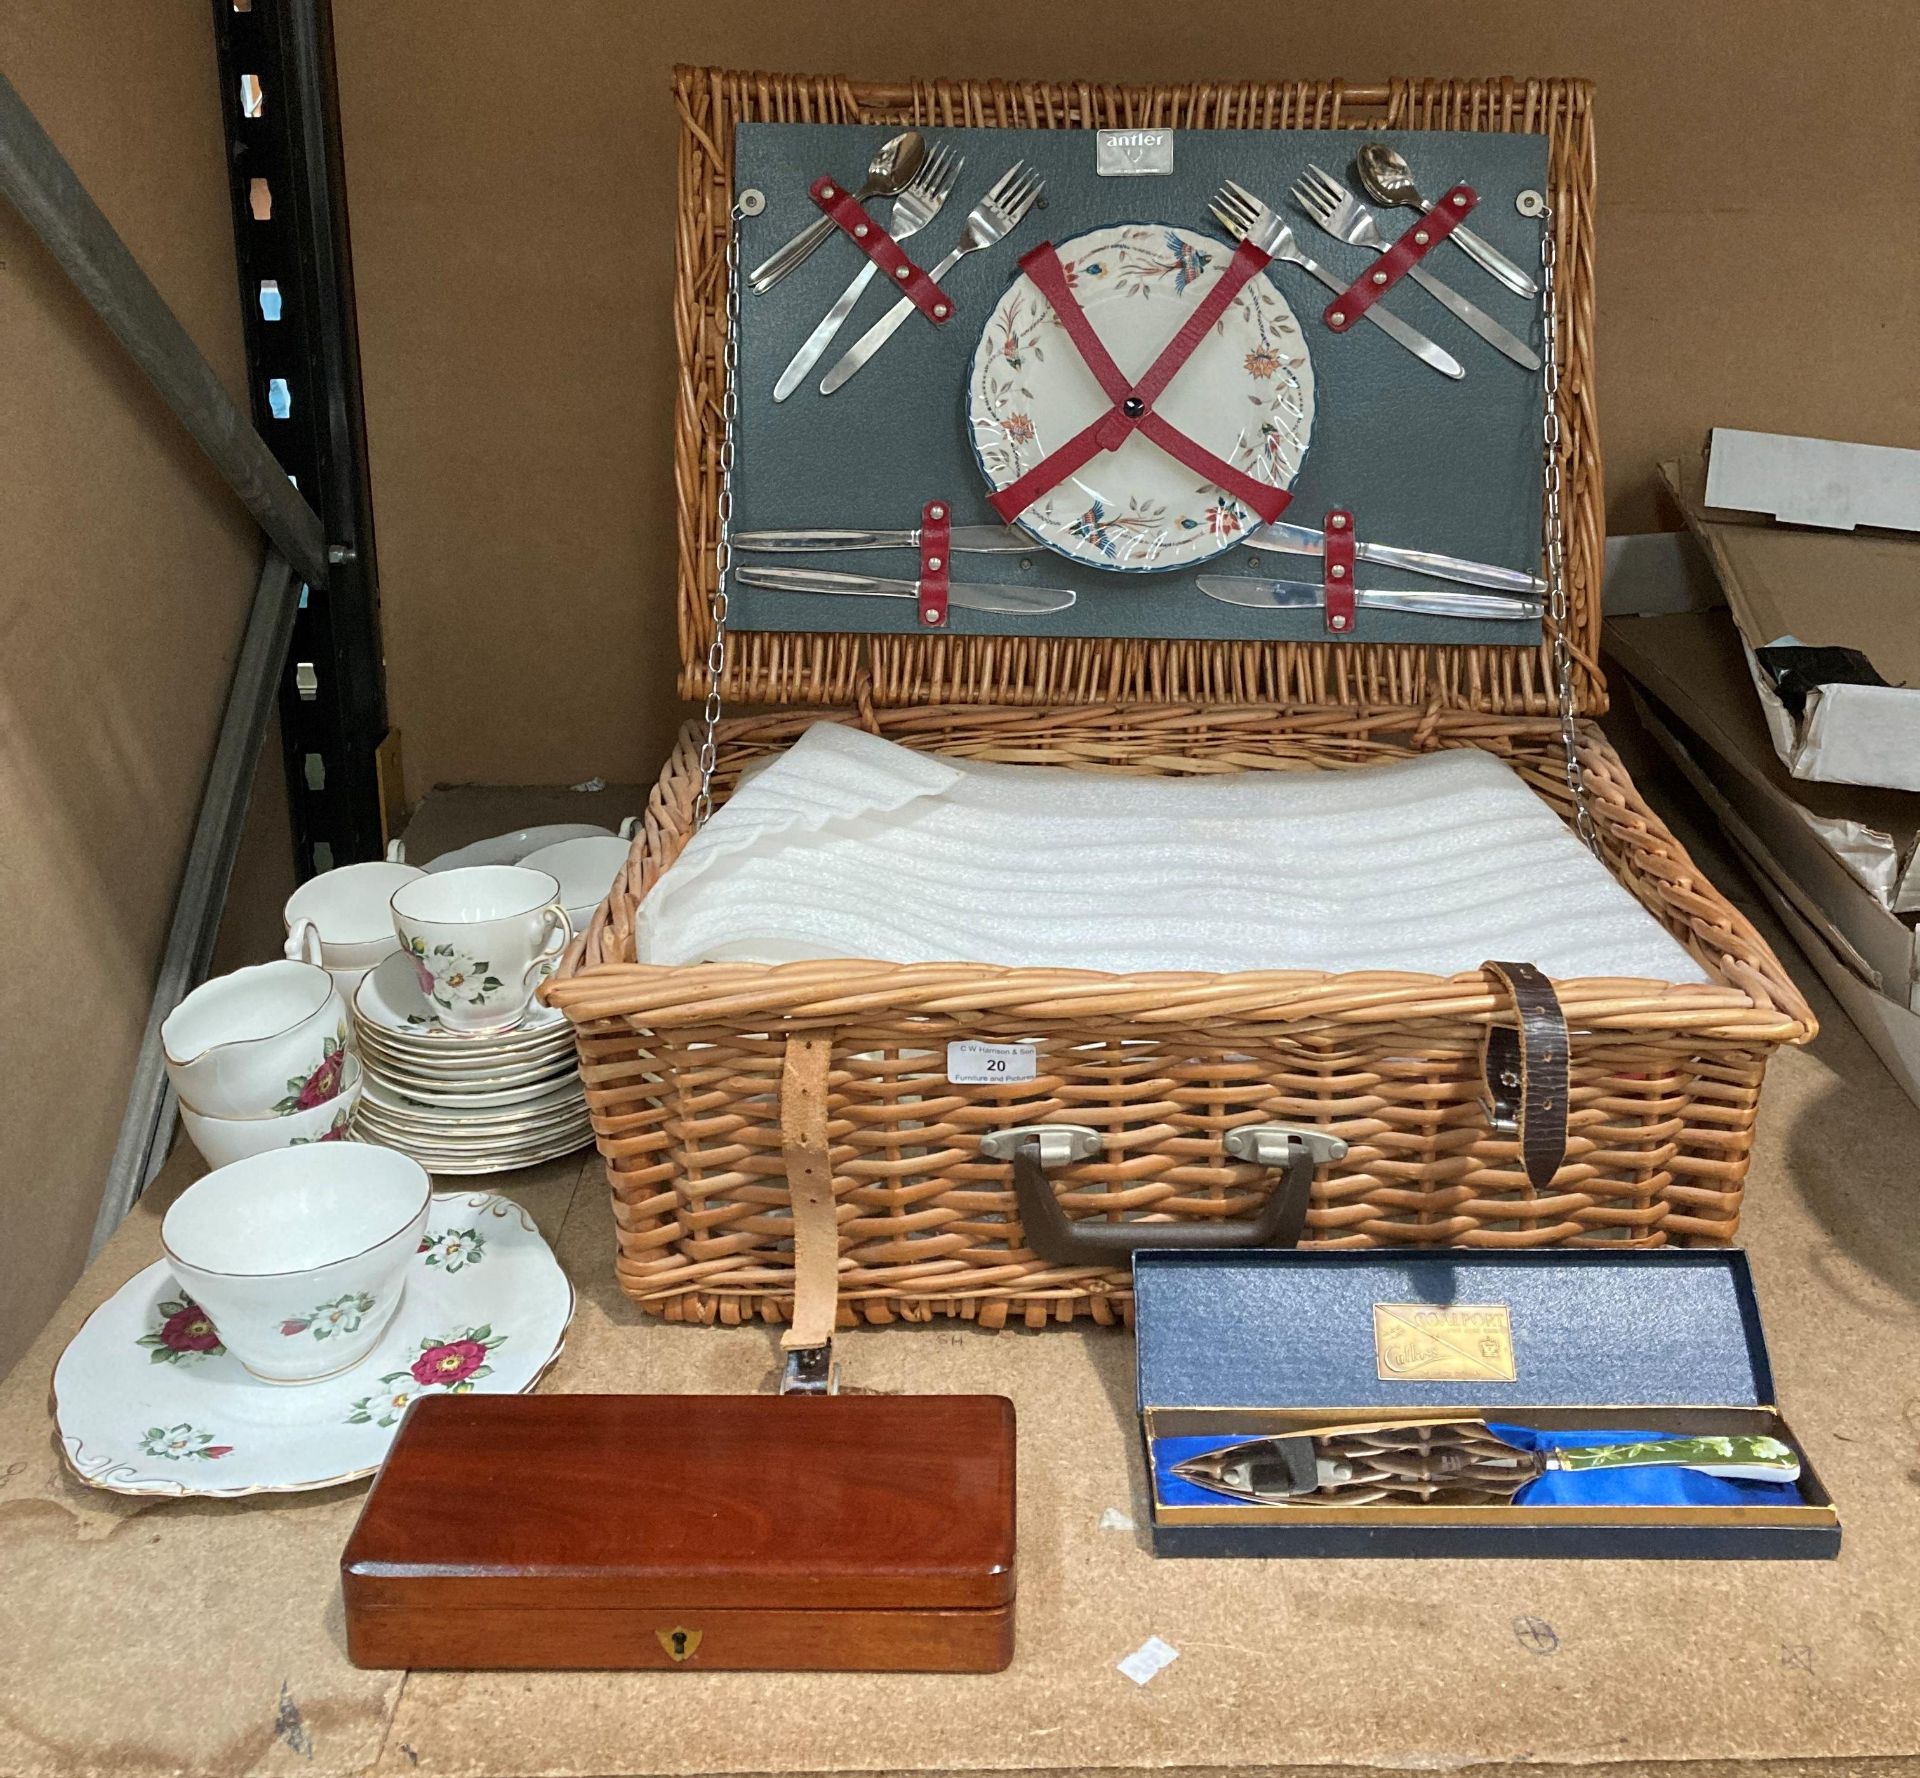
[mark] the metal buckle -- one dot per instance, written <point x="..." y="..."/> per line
<point x="810" y="1370"/>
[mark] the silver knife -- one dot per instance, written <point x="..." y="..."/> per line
<point x="1291" y="540"/>
<point x="1015" y="601"/>
<point x="1310" y="595"/>
<point x="1303" y="540"/>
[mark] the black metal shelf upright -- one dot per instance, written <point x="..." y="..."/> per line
<point x="278" y="101"/>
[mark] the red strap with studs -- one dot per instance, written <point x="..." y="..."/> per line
<point x="882" y="249"/>
<point x="1132" y="408"/>
<point x="1336" y="570"/>
<point x="936" y="522"/>
<point x="1412" y="247"/>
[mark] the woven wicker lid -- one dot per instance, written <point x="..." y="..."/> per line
<point x="768" y="667"/>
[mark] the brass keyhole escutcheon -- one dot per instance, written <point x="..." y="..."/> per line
<point x="680" y="1644"/>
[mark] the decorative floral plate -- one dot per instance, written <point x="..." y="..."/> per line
<point x="148" y="1401"/>
<point x="1246" y="394"/>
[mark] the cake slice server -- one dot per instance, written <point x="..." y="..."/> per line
<point x="1310" y="595"/>
<point x="1268" y="1470"/>
<point x="1013" y="601"/>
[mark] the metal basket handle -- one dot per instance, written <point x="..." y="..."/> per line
<point x="1058" y="1239"/>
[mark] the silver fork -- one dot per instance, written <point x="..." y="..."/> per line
<point x="913" y="209"/>
<point x="1242" y="214"/>
<point x="1344" y="217"/>
<point x="995" y="217"/>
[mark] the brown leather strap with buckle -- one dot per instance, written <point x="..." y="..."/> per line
<point x="1525" y="1065"/>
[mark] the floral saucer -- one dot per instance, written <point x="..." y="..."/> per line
<point x="148" y="1401"/>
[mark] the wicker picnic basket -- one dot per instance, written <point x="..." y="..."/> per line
<point x="689" y="1070"/>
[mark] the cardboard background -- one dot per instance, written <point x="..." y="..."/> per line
<point x="510" y="165"/>
<point x="128" y="572"/>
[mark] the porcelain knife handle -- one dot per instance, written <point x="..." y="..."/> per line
<point x="1742" y="1457"/>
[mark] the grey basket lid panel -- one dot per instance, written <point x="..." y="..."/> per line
<point x="1423" y="461"/>
<point x="1589" y="1328"/>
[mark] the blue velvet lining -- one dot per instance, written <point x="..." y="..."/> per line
<point x="1595" y="1487"/>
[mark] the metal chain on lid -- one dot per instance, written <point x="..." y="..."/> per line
<point x="1557" y="599"/>
<point x="723" y="539"/>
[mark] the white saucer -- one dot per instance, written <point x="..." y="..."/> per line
<point x="510" y="848"/>
<point x="432" y="1104"/>
<point x="468" y="1159"/>
<point x="144" y="1408"/>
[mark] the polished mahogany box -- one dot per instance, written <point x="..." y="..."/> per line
<point x="841" y="1532"/>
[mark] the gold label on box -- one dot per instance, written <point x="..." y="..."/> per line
<point x="1443" y="1342"/>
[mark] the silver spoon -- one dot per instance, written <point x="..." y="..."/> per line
<point x="890" y="171"/>
<point x="1389" y="182"/>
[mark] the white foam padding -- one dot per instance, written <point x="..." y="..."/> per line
<point x="850" y="846"/>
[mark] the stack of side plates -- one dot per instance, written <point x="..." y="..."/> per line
<point x="457" y="1102"/>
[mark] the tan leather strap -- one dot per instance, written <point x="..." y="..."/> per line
<point x="1526" y="1070"/>
<point x="816" y="1230"/>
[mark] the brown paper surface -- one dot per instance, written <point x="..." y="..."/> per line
<point x="510" y="165"/>
<point x="147" y="1638"/>
<point x="126" y="573"/>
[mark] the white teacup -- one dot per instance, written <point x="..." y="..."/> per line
<point x="261" y="1042"/>
<point x="482" y="939"/>
<point x="584" y="869"/>
<point x="341" y="919"/>
<point x="299" y="1255"/>
<point x="224" y="1140"/>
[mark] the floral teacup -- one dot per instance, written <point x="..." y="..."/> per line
<point x="482" y="940"/>
<point x="298" y="1256"/>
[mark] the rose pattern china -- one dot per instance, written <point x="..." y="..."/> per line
<point x="454" y="1365"/>
<point x="1246" y="394"/>
<point x="185" y="1333"/>
<point x="322" y="1082"/>
<point x="148" y="1401"/>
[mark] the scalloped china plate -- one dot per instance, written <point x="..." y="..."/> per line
<point x="148" y="1402"/>
<point x="469" y="1158"/>
<point x="1246" y="394"/>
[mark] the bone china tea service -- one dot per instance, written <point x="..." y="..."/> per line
<point x="297" y="1256"/>
<point x="262" y="1042"/>
<point x="482" y="939"/>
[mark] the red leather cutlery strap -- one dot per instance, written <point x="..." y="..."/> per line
<point x="1336" y="570"/>
<point x="882" y="249"/>
<point x="1132" y="409"/>
<point x="1426" y="234"/>
<point x="936" y="523"/>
